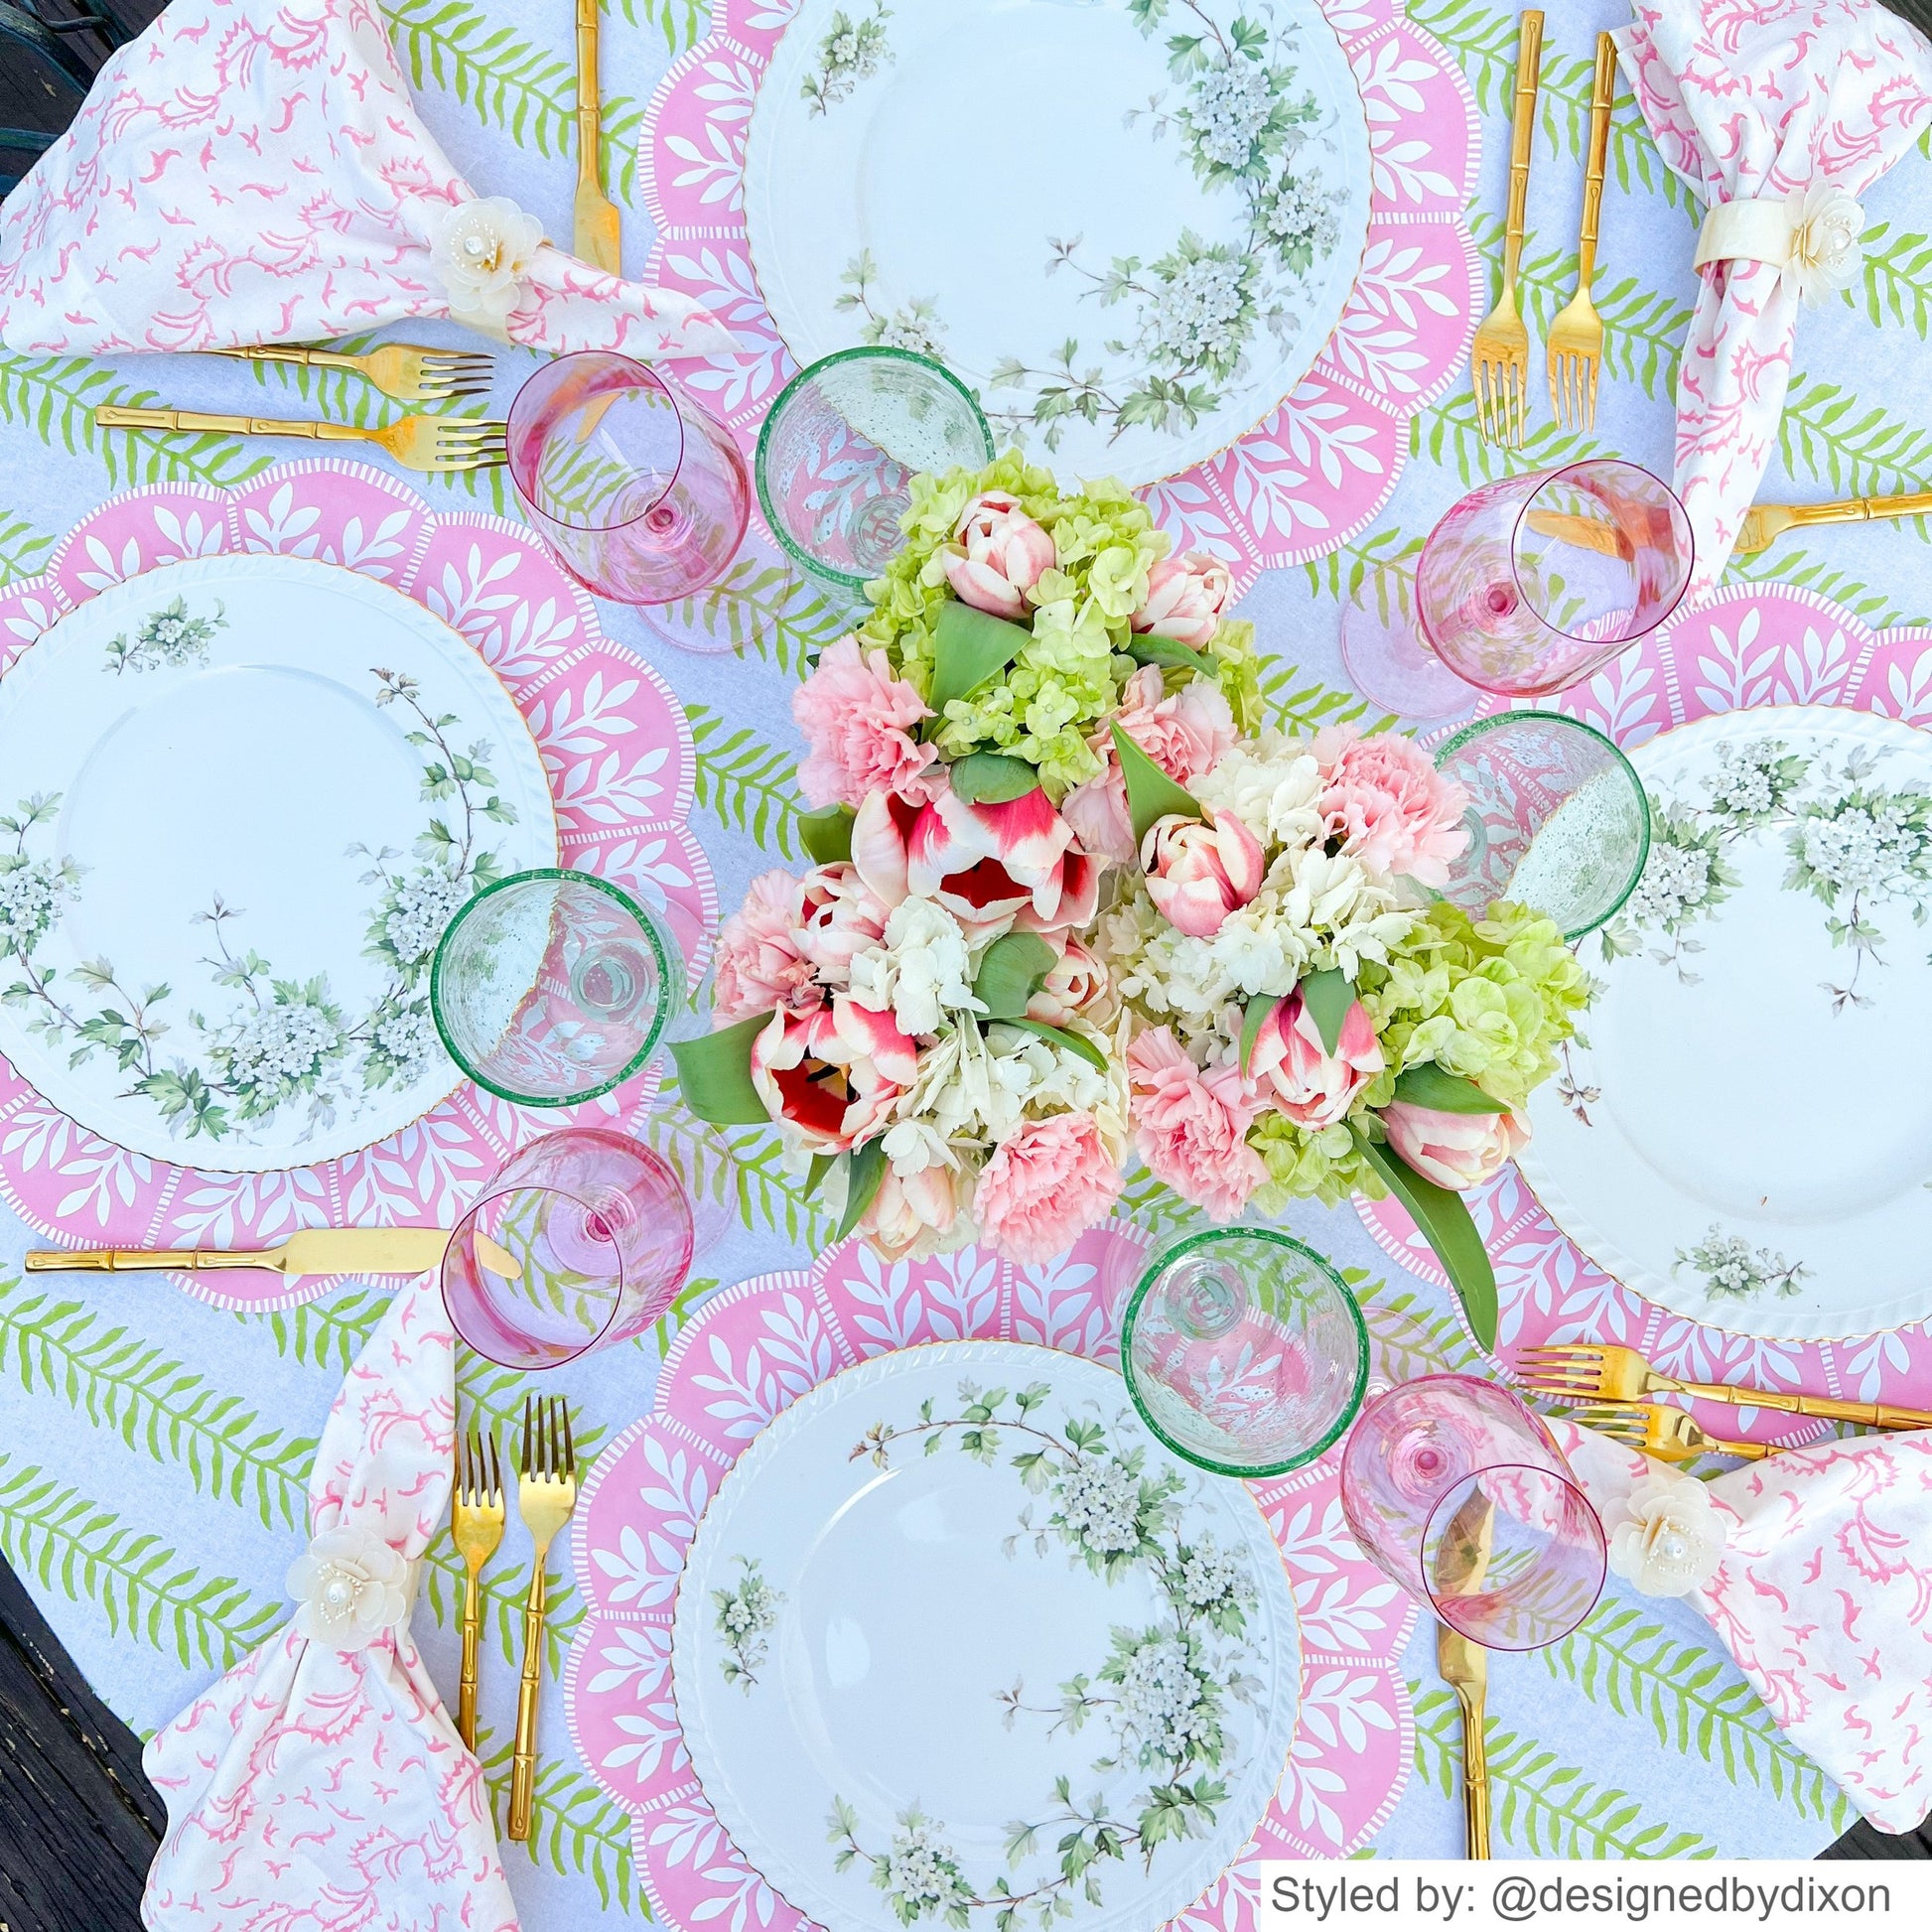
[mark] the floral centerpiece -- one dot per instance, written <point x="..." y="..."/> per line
<point x="1305" y="1019"/>
<point x="918" y="1013"/>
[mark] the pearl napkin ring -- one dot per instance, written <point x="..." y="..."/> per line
<point x="1811" y="233"/>
<point x="1672" y="1538"/>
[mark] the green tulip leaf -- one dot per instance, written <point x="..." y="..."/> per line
<point x="991" y="779"/>
<point x="1011" y="973"/>
<point x="968" y="647"/>
<point x="1327" y="995"/>
<point x="1150" y="794"/>
<point x="826" y="834"/>
<point x="1429" y="1085"/>
<point x="1172" y="655"/>
<point x="714" y="1074"/>
<point x="865" y="1168"/>
<point x="1059" y="1037"/>
<point x="1443" y="1219"/>
<point x="1256" y="1017"/>
<point x="822" y="1164"/>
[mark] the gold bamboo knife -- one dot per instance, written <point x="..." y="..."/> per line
<point x="1463" y="1662"/>
<point x="1764" y="524"/>
<point x="599" y="233"/>
<point x="315" y="1251"/>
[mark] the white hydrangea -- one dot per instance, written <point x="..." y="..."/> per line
<point x="1230" y="109"/>
<point x="1270" y="784"/>
<point x="1100" y="1505"/>
<point x="281" y="1044"/>
<point x="420" y="909"/>
<point x="921" y="971"/>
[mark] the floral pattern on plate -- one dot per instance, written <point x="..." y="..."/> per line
<point x="1320" y="467"/>
<point x="616" y="750"/>
<point x="1744" y="649"/>
<point x="750" y="1352"/>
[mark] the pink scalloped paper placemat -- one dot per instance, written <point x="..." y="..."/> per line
<point x="1315" y="473"/>
<point x="1737" y="652"/>
<point x="750" y="1352"/>
<point x="617" y="752"/>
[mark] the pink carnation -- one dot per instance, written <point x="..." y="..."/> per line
<point x="1044" y="1187"/>
<point x="761" y="964"/>
<point x="1186" y="734"/>
<point x="1191" y="1128"/>
<point x="856" y="717"/>
<point x="1389" y="805"/>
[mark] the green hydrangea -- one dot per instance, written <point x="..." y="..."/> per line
<point x="1327" y="1164"/>
<point x="1067" y="680"/>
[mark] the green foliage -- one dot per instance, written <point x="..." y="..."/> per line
<point x="576" y="1826"/>
<point x="154" y="1405"/>
<point x="1292" y="705"/>
<point x="762" y="608"/>
<point x="341" y="395"/>
<point x="679" y="20"/>
<point x="527" y="92"/>
<point x="1898" y="279"/>
<point x="325" y="1335"/>
<point x="745" y="780"/>
<point x="1786" y="562"/>
<point x="70" y="1542"/>
<point x="23" y="550"/>
<point x="1827" y="433"/>
<point x="1539" y="1802"/>
<point x="1408" y="1334"/>
<point x="1693" y="1701"/>
<point x="56" y="395"/>
<point x="1449" y="432"/>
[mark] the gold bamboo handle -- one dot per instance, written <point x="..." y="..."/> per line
<point x="1476" y="1775"/>
<point x="1602" y="92"/>
<point x="1875" y="1414"/>
<point x="524" y="1757"/>
<point x="589" y="112"/>
<point x="1864" y="509"/>
<point x="112" y="416"/>
<point x="108" y="1261"/>
<point x="466" y="1694"/>
<point x="1522" y="133"/>
<point x="294" y="353"/>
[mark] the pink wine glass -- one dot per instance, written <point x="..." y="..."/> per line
<point x="581" y="1240"/>
<point x="1459" y="1493"/>
<point x="640" y="493"/>
<point x="1530" y="584"/>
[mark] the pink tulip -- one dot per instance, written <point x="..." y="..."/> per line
<point x="831" y="1077"/>
<point x="1077" y="985"/>
<point x="906" y="1213"/>
<point x="1290" y="1067"/>
<point x="838" y="916"/>
<point x="1459" y="1151"/>
<point x="992" y="867"/>
<point x="997" y="555"/>
<point x="1185" y="597"/>
<point x="1198" y="871"/>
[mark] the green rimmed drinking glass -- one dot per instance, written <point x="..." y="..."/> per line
<point x="552" y="987"/>
<point x="840" y="447"/>
<point x="1557" y="820"/>
<point x="1244" y="1351"/>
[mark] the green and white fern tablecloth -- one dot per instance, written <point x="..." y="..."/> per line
<point x="154" y="1453"/>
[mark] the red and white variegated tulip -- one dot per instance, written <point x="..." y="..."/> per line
<point x="1199" y="869"/>
<point x="1291" y="1069"/>
<point x="830" y="1078"/>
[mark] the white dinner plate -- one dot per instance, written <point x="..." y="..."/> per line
<point x="242" y="796"/>
<point x="955" y="1593"/>
<point x="1747" y="1138"/>
<point x="1130" y="228"/>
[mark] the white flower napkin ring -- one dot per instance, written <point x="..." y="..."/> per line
<point x="1672" y="1536"/>
<point x="480" y="251"/>
<point x="1812" y="234"/>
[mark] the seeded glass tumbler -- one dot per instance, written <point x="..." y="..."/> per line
<point x="840" y="447"/>
<point x="640" y="493"/>
<point x="1529" y="584"/>
<point x="1459" y="1493"/>
<point x="1244" y="1351"/>
<point x="553" y="987"/>
<point x="598" y="1228"/>
<point x="1557" y="819"/>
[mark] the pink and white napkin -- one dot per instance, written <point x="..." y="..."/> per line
<point x="1822" y="1592"/>
<point x="254" y="171"/>
<point x="321" y="1782"/>
<point x="1777" y="114"/>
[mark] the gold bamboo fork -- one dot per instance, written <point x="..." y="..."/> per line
<point x="546" y="1493"/>
<point x="598" y="231"/>
<point x="426" y="443"/>
<point x="1666" y="1434"/>
<point x="1764" y="524"/>
<point x="476" y="1527"/>
<point x="1587" y="1371"/>
<point x="1576" y="348"/>
<point x="1499" y="358"/>
<point x="404" y="370"/>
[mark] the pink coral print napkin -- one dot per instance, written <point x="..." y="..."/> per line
<point x="248" y="172"/>
<point x="1753" y="101"/>
<point x="1823" y="1596"/>
<point x="319" y="1785"/>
